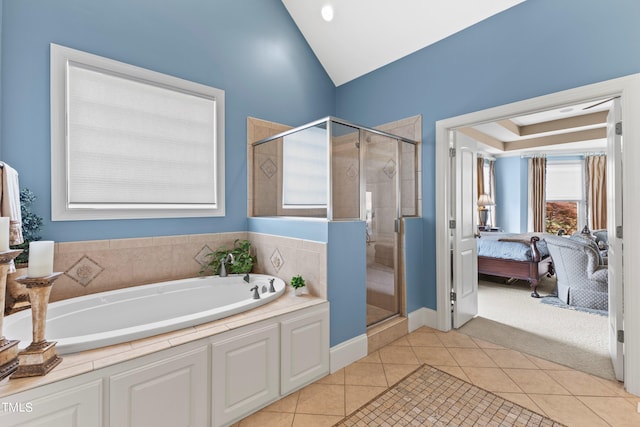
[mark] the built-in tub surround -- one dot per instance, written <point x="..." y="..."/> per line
<point x="107" y="318"/>
<point x="86" y="362"/>
<point x="103" y="265"/>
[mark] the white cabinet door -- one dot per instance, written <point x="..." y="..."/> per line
<point x="245" y="374"/>
<point x="169" y="392"/>
<point x="304" y="349"/>
<point x="74" y="406"/>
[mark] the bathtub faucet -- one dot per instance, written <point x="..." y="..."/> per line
<point x="271" y="288"/>
<point x="228" y="258"/>
<point x="256" y="294"/>
<point x="246" y="278"/>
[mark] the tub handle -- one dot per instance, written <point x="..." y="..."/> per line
<point x="256" y="294"/>
<point x="271" y="288"/>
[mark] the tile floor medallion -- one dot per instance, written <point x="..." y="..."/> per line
<point x="567" y="396"/>
<point x="431" y="397"/>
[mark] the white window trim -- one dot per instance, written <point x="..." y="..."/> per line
<point x="61" y="210"/>
<point x="582" y="203"/>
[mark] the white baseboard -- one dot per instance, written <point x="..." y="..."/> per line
<point x="423" y="317"/>
<point x="347" y="352"/>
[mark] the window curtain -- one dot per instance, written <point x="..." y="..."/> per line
<point x="537" y="205"/>
<point x="480" y="181"/>
<point x="480" y="175"/>
<point x="492" y="189"/>
<point x="597" y="191"/>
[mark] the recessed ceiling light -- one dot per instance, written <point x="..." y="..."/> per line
<point x="327" y="12"/>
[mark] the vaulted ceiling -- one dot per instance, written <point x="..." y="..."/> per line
<point x="365" y="35"/>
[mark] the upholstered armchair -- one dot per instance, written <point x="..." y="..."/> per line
<point x="581" y="277"/>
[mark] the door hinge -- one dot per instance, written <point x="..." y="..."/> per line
<point x="452" y="295"/>
<point x="619" y="232"/>
<point x="452" y="152"/>
<point x="620" y="336"/>
<point x="619" y="128"/>
<point x="396" y="225"/>
<point x="452" y="223"/>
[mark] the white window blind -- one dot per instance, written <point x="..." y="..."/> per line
<point x="565" y="180"/>
<point x="135" y="143"/>
<point x="129" y="142"/>
<point x="304" y="171"/>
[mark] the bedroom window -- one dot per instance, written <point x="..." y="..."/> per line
<point x="565" y="196"/>
<point x="127" y="142"/>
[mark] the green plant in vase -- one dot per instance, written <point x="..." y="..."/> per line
<point x="17" y="296"/>
<point x="242" y="259"/>
<point x="298" y="283"/>
<point x="31" y="224"/>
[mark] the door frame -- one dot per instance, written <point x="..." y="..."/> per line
<point x="628" y="88"/>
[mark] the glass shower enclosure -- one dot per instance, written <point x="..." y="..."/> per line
<point x="341" y="171"/>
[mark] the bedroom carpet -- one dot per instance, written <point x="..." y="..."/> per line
<point x="508" y="316"/>
<point x="557" y="302"/>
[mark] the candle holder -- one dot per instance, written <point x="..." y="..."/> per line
<point x="41" y="355"/>
<point x="8" y="348"/>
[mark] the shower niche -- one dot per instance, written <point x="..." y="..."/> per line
<point x="335" y="170"/>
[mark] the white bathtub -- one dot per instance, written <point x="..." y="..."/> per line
<point x="113" y="317"/>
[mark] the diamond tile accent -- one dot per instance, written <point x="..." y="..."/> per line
<point x="276" y="260"/>
<point x="352" y="171"/>
<point x="390" y="168"/>
<point x="84" y="271"/>
<point x="269" y="168"/>
<point x="202" y="257"/>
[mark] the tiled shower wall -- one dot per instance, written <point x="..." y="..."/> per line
<point x="102" y="265"/>
<point x="265" y="176"/>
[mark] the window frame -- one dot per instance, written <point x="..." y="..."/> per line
<point x="582" y="203"/>
<point x="61" y="207"/>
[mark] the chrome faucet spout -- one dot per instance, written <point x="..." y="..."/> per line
<point x="256" y="294"/>
<point x="227" y="259"/>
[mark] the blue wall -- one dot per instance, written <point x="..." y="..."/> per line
<point x="535" y="48"/>
<point x="511" y="194"/>
<point x="308" y="229"/>
<point x="251" y="49"/>
<point x="346" y="278"/>
<point x="254" y="51"/>
<point x="413" y="250"/>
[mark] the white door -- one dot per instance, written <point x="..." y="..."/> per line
<point x="614" y="232"/>
<point x="465" y="248"/>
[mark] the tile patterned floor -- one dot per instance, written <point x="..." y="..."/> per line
<point x="568" y="396"/>
<point x="433" y="397"/>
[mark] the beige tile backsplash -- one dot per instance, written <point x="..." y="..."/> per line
<point x="101" y="265"/>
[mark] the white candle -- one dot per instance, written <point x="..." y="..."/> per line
<point x="4" y="233"/>
<point x="40" y="258"/>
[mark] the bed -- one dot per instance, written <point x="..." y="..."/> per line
<point x="514" y="256"/>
